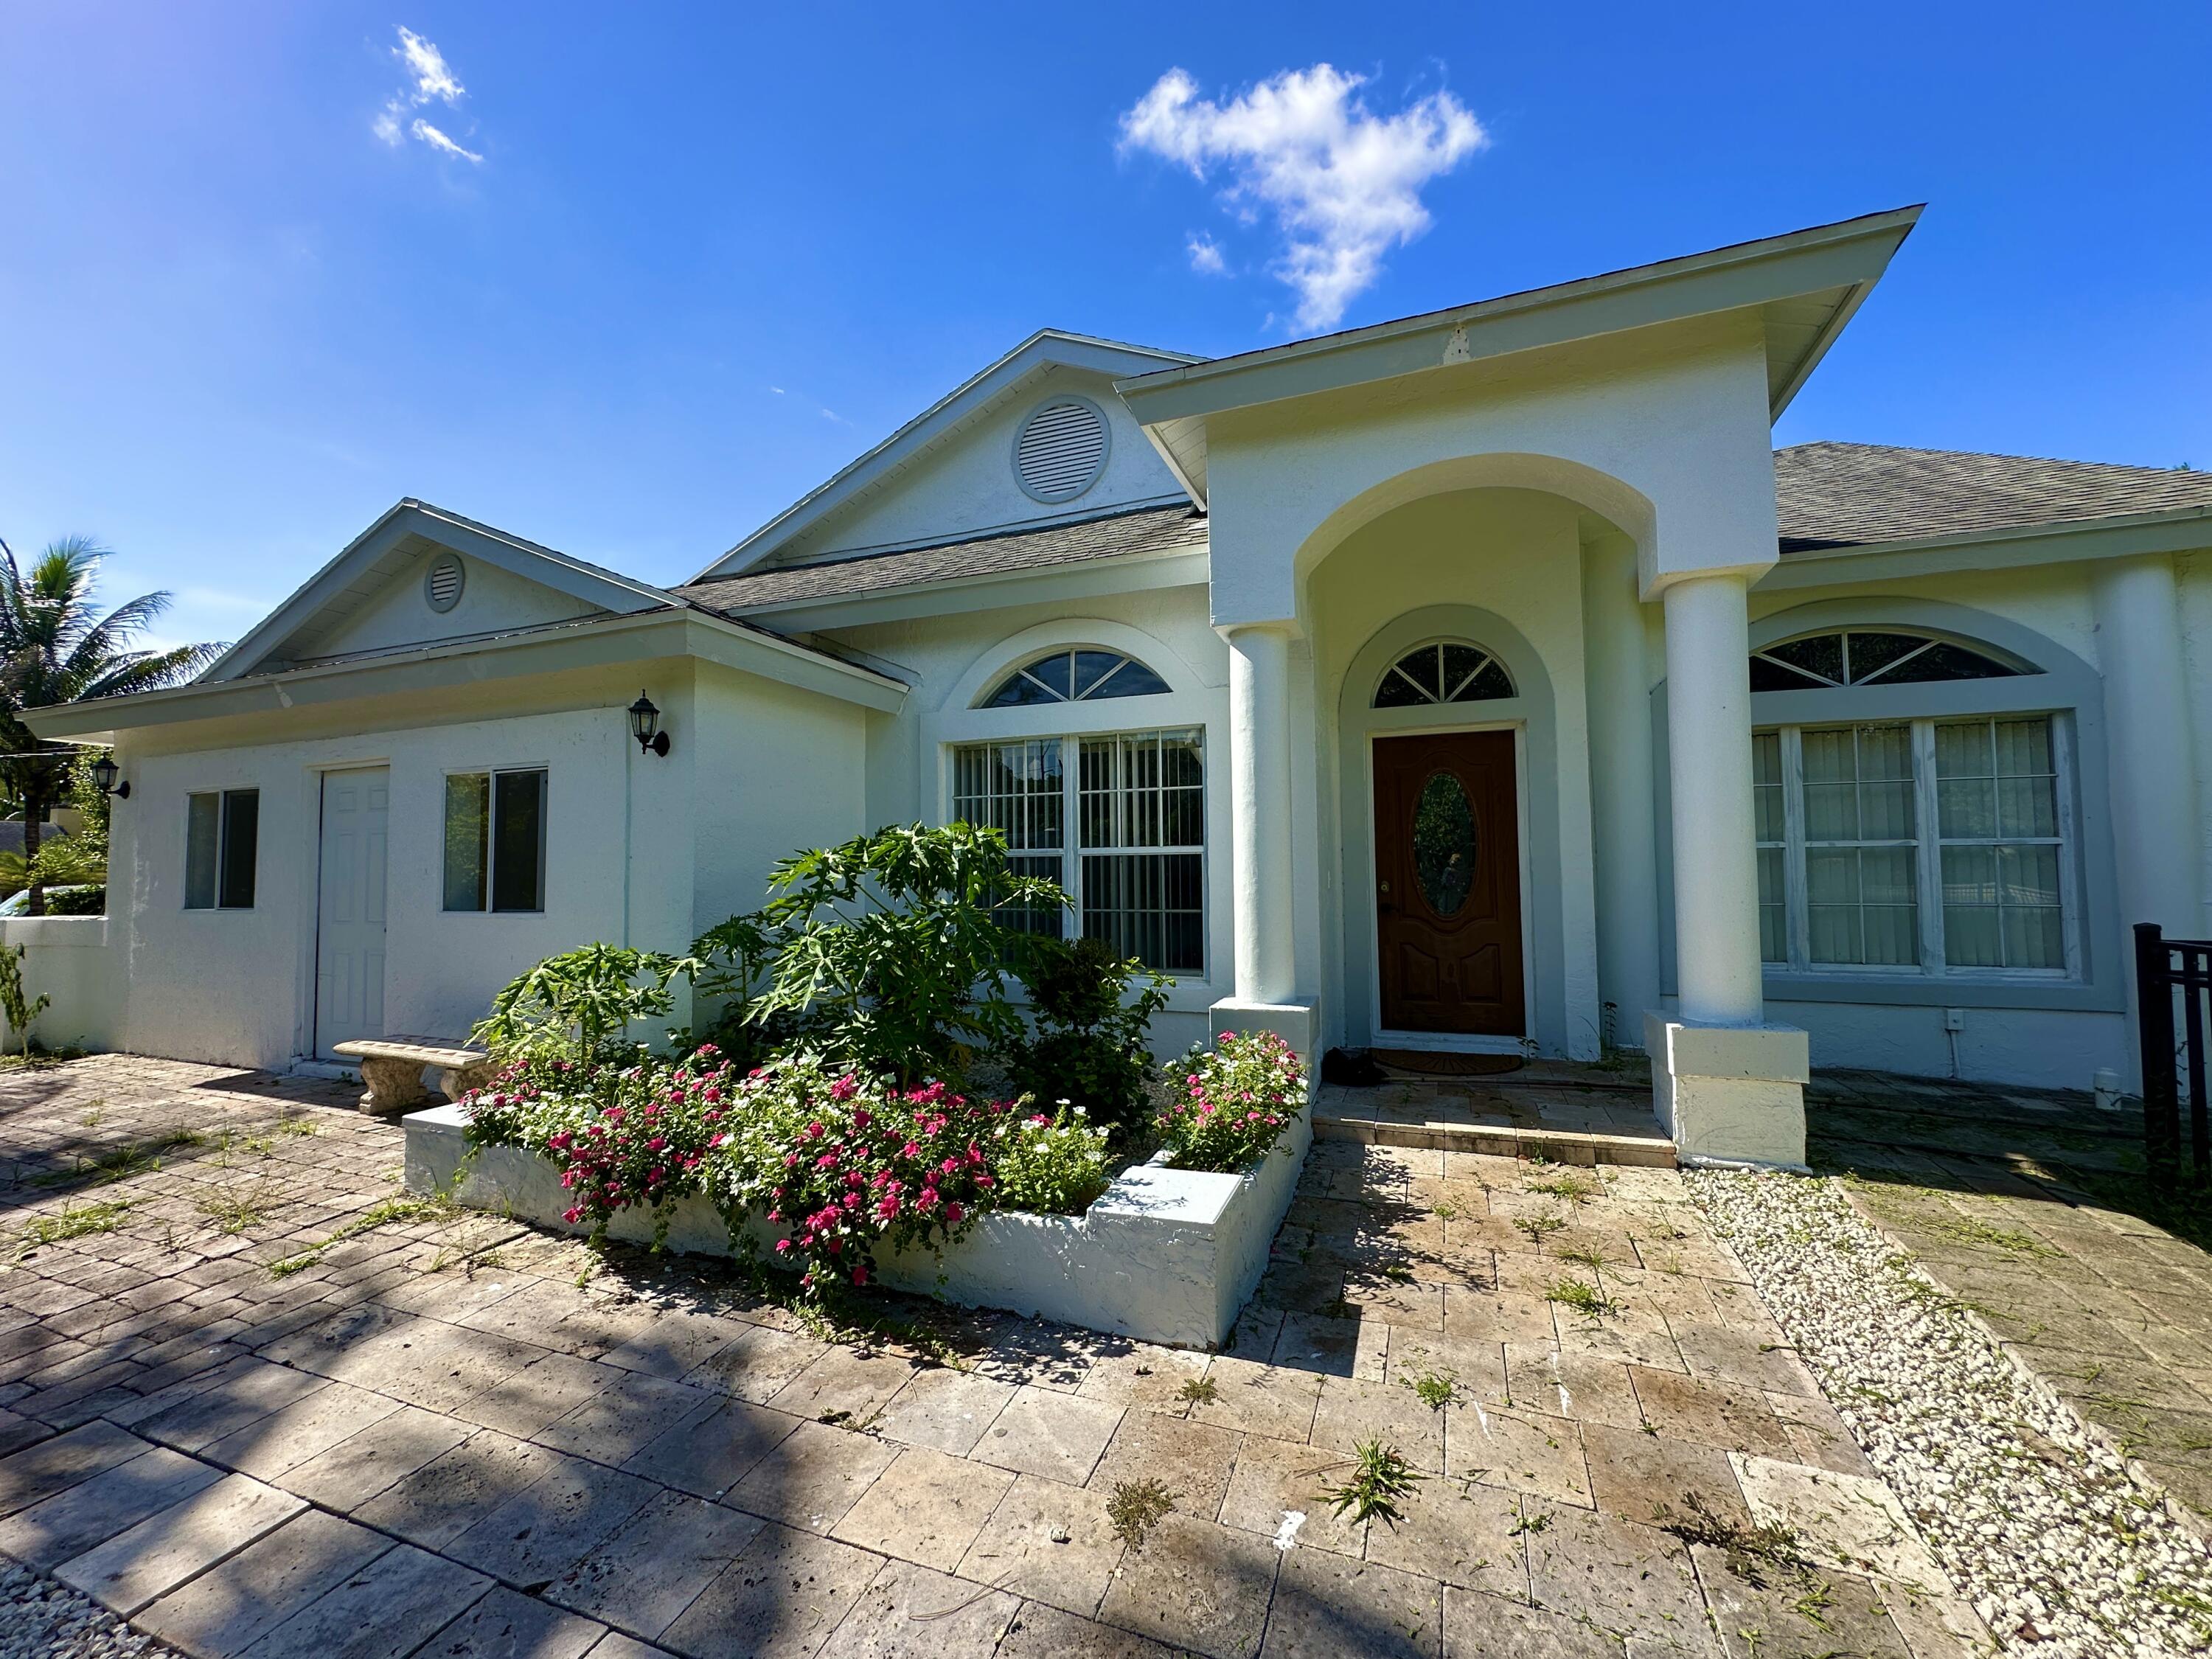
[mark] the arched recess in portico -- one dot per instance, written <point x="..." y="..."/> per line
<point x="1626" y="507"/>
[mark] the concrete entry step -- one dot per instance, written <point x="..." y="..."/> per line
<point x="1563" y="1122"/>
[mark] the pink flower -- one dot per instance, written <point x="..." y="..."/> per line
<point x="859" y="1275"/>
<point x="844" y="1088"/>
<point x="953" y="1214"/>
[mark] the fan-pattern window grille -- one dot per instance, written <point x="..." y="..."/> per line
<point x="1864" y="657"/>
<point x="1448" y="672"/>
<point x="1075" y="676"/>
<point x="1060" y="449"/>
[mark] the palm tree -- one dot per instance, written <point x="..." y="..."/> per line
<point x="55" y="649"/>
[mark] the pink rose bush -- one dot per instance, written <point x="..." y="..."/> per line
<point x="1231" y="1107"/>
<point x="841" y="1163"/>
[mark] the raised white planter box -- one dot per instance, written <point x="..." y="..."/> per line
<point x="1166" y="1256"/>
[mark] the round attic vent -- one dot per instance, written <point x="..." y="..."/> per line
<point x="1060" y="449"/>
<point x="443" y="581"/>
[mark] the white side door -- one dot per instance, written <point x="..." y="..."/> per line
<point x="349" y="908"/>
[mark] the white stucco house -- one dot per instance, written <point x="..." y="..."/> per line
<point x="1484" y="679"/>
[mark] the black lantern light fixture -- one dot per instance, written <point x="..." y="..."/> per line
<point x="645" y="725"/>
<point x="103" y="773"/>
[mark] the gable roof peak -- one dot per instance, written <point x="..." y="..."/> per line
<point x="1045" y="348"/>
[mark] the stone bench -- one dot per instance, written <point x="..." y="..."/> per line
<point x="392" y="1068"/>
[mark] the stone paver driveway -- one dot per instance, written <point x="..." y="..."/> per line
<point x="452" y="1435"/>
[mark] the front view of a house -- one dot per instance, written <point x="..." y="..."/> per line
<point x="1481" y="680"/>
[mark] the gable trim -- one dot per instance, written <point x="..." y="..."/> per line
<point x="590" y="583"/>
<point x="1047" y="347"/>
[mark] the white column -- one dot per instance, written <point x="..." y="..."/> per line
<point x="1729" y="1087"/>
<point x="2149" y="742"/>
<point x="1260" y="810"/>
<point x="1709" y="766"/>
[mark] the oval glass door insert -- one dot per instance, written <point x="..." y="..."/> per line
<point x="1443" y="843"/>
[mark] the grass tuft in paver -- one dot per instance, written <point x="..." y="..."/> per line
<point x="1751" y="1549"/>
<point x="121" y="1163"/>
<point x="389" y="1212"/>
<point x="1135" y="1508"/>
<point x="1200" y="1391"/>
<point x="1435" y="1390"/>
<point x="241" y="1209"/>
<point x="1584" y="1297"/>
<point x="1379" y="1479"/>
<point x="76" y="1221"/>
<point x="1537" y="1228"/>
<point x="1585" y="1257"/>
<point x="1571" y="1186"/>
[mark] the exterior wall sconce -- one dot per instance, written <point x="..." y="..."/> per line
<point x="645" y="725"/>
<point x="103" y="773"/>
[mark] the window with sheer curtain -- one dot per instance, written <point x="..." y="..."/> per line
<point x="1935" y="846"/>
<point x="1118" y="819"/>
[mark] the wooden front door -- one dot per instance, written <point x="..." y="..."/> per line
<point x="1448" y="883"/>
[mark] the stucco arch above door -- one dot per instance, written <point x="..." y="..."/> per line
<point x="995" y="662"/>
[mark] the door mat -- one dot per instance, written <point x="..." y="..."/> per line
<point x="1443" y="1064"/>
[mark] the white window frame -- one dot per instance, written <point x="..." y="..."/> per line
<point x="223" y="833"/>
<point x="1071" y="851"/>
<point x="1928" y="852"/>
<point x="491" y="775"/>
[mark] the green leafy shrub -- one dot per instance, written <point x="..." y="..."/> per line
<point x="1054" y="1164"/>
<point x="575" y="1009"/>
<point x="1088" y="1045"/>
<point x="894" y="948"/>
<point x="1237" y="1102"/>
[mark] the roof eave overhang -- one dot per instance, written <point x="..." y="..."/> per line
<point x="563" y="647"/>
<point x="2177" y="529"/>
<point x="1074" y="579"/>
<point x="1843" y="259"/>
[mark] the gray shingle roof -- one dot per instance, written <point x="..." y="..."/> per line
<point x="1173" y="529"/>
<point x="1838" y="495"/>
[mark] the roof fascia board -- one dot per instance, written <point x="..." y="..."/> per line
<point x="2181" y="530"/>
<point x="1839" y="319"/>
<point x="1852" y="254"/>
<point x="552" y="650"/>
<point x="412" y="518"/>
<point x="1045" y="347"/>
<point x="1129" y="573"/>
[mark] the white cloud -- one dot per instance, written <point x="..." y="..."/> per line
<point x="433" y="83"/>
<point x="1343" y="184"/>
<point x="438" y="141"/>
<point x="1205" y="255"/>
<point x="433" y="79"/>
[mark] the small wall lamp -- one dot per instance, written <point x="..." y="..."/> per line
<point x="103" y="773"/>
<point x="645" y="725"/>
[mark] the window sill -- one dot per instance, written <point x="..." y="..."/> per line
<point x="1938" y="991"/>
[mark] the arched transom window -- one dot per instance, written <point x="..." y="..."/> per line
<point x="1855" y="656"/>
<point x="1451" y="671"/>
<point x="1075" y="675"/>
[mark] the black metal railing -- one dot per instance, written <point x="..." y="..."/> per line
<point x="2173" y="977"/>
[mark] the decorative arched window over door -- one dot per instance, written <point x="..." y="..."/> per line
<point x="1449" y="670"/>
<point x="1075" y="675"/>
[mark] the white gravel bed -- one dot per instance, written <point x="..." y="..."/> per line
<point x="2041" y="1527"/>
<point x="42" y="1619"/>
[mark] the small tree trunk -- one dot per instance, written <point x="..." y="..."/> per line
<point x="36" y="903"/>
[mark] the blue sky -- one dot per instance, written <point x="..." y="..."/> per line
<point x="644" y="274"/>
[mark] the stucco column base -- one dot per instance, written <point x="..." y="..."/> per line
<point x="1298" y="1022"/>
<point x="1729" y="1094"/>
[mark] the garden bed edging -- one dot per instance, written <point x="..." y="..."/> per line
<point x="1164" y="1255"/>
